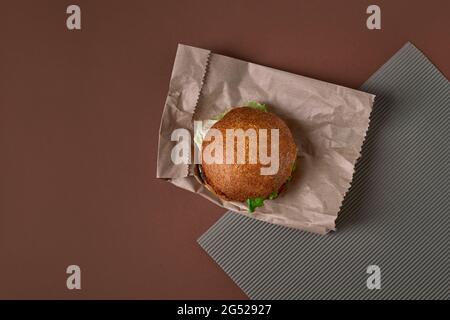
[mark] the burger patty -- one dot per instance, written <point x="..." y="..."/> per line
<point x="240" y="182"/>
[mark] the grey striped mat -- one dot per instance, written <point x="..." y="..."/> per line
<point x="395" y="216"/>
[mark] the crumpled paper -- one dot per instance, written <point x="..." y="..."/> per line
<point x="328" y="122"/>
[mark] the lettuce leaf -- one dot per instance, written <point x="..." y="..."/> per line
<point x="257" y="105"/>
<point x="220" y="116"/>
<point x="273" y="195"/>
<point x="294" y="167"/>
<point x="252" y="204"/>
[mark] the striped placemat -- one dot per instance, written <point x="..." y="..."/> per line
<point x="395" y="216"/>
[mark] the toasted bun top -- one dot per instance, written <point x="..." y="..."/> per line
<point x="241" y="181"/>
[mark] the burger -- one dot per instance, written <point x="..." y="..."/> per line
<point x="243" y="178"/>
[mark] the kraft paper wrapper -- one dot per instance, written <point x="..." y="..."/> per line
<point x="329" y="123"/>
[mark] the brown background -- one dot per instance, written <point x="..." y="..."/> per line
<point x="80" y="114"/>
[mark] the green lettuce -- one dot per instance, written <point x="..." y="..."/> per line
<point x="273" y="195"/>
<point x="254" y="203"/>
<point x="257" y="105"/>
<point x="220" y="116"/>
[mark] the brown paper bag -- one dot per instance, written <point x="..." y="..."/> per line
<point x="329" y="123"/>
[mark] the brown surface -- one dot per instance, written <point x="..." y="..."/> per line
<point x="80" y="114"/>
<point x="240" y="182"/>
